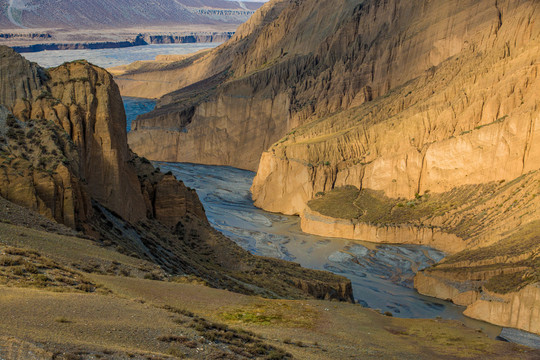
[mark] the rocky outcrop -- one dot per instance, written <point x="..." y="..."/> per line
<point x="318" y="224"/>
<point x="323" y="291"/>
<point x="11" y="88"/>
<point x="172" y="201"/>
<point x="187" y="38"/>
<point x="498" y="283"/>
<point x="91" y="160"/>
<point x="64" y="154"/>
<point x="230" y="138"/>
<point x="454" y="291"/>
<point x="83" y="101"/>
<point x="519" y="310"/>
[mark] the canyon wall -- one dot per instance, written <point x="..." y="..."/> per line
<point x="64" y="154"/>
<point x="62" y="173"/>
<point x="320" y="67"/>
<point x="517" y="310"/>
<point x="471" y="119"/>
<point x="431" y="104"/>
<point x="497" y="283"/>
<point x="313" y="222"/>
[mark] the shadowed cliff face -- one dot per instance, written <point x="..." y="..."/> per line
<point x="68" y="128"/>
<point x="64" y="154"/>
<point x="84" y="101"/>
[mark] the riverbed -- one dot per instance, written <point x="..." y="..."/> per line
<point x="381" y="275"/>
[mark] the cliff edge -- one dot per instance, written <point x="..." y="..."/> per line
<point x="64" y="154"/>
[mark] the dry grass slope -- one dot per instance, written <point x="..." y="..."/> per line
<point x="139" y="318"/>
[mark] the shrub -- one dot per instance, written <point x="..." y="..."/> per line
<point x="12" y="134"/>
<point x="12" y="122"/>
<point x="30" y="134"/>
<point x="176" y="352"/>
<point x="18" y="270"/>
<point x="86" y="287"/>
<point x="44" y="94"/>
<point x="31" y="268"/>
<point x="62" y="320"/>
<point x="41" y="279"/>
<point x="9" y="261"/>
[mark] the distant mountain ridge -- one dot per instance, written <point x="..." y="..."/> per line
<point x="96" y="14"/>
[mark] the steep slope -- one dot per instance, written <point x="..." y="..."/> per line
<point x="449" y="159"/>
<point x="144" y="79"/>
<point x="64" y="154"/>
<point x="303" y="62"/>
<point x="424" y="114"/>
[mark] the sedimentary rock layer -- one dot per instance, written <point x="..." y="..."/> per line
<point x="64" y="154"/>
<point x="410" y="99"/>
<point x="318" y="224"/>
<point x="139" y="40"/>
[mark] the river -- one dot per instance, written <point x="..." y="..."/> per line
<point x="381" y="275"/>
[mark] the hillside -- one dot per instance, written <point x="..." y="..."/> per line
<point x="66" y="297"/>
<point x="100" y="14"/>
<point x="427" y="112"/>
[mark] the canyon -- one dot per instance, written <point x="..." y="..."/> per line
<point x="64" y="155"/>
<point x="426" y="112"/>
<point x="102" y="255"/>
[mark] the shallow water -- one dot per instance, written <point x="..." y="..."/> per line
<point x="381" y="275"/>
<point x="114" y="57"/>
